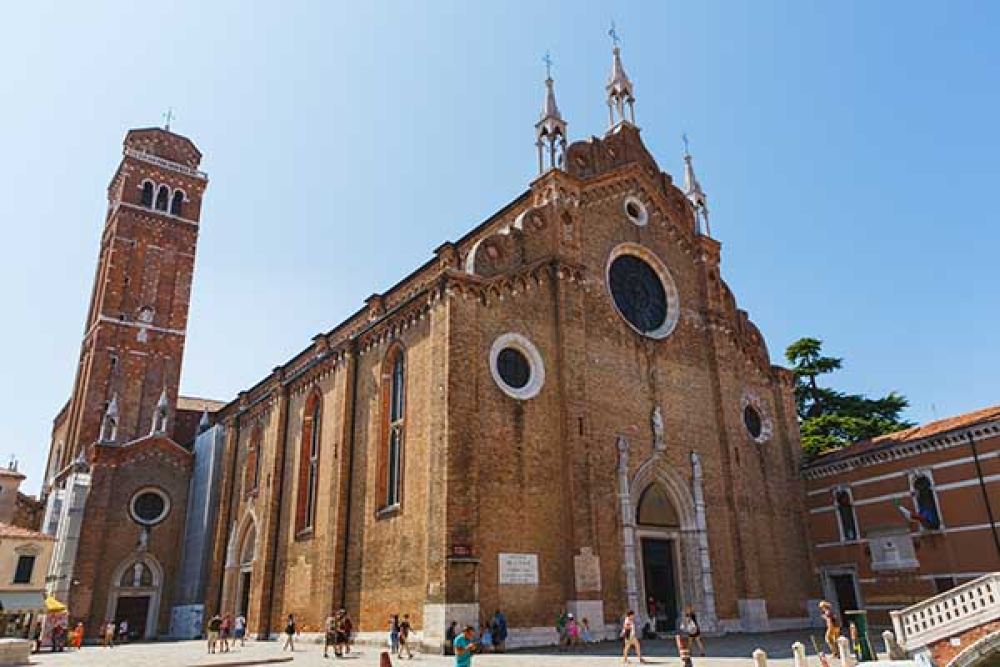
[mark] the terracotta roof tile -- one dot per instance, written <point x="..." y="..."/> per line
<point x="927" y="430"/>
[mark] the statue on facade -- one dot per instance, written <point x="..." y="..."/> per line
<point x="657" y="421"/>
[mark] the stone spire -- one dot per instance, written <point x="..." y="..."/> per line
<point x="550" y="130"/>
<point x="109" y="425"/>
<point x="621" y="94"/>
<point x="204" y="424"/>
<point x="160" y="414"/>
<point x="694" y="193"/>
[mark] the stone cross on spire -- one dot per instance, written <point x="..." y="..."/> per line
<point x="694" y="193"/>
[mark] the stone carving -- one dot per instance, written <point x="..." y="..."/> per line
<point x="587" y="568"/>
<point x="657" y="421"/>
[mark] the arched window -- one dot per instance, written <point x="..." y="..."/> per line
<point x="137" y="575"/>
<point x="393" y="427"/>
<point x="844" y="505"/>
<point x="147" y="194"/>
<point x="161" y="198"/>
<point x="251" y="470"/>
<point x="177" y="202"/>
<point x="655" y="509"/>
<point x="927" y="508"/>
<point x="305" y="513"/>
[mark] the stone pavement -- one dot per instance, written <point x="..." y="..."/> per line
<point x="729" y="651"/>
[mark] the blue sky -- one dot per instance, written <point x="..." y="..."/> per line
<point x="849" y="151"/>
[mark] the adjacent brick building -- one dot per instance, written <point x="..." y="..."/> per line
<point x="904" y="516"/>
<point x="565" y="408"/>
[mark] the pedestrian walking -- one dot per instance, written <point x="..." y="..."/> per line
<point x="404" y="638"/>
<point x="214" y="628"/>
<point x="226" y="632"/>
<point x="78" y="635"/>
<point x="330" y="636"/>
<point x="290" y="631"/>
<point x="464" y="646"/>
<point x="348" y="631"/>
<point x="690" y="626"/>
<point x="630" y="637"/>
<point x="832" y="627"/>
<point x="108" y="634"/>
<point x="123" y="631"/>
<point x="572" y="632"/>
<point x="499" y="631"/>
<point x="561" y="629"/>
<point x="240" y="626"/>
<point x="449" y="638"/>
<point x="342" y="635"/>
<point x="394" y="634"/>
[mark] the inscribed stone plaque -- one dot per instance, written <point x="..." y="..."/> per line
<point x="519" y="569"/>
<point x="587" y="567"/>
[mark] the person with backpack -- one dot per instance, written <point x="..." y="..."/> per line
<point x="630" y="637"/>
<point x="691" y="628"/>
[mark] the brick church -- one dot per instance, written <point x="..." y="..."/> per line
<point x="563" y="409"/>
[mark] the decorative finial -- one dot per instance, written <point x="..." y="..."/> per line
<point x="694" y="193"/>
<point x="167" y="117"/>
<point x="550" y="130"/>
<point x="621" y="96"/>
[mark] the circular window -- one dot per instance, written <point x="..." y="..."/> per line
<point x="149" y="506"/>
<point x="751" y="419"/>
<point x="517" y="366"/>
<point x="756" y="419"/>
<point x="636" y="211"/>
<point x="643" y="291"/>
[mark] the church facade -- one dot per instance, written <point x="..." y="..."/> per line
<point x="563" y="409"/>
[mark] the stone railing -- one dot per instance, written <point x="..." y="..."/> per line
<point x="950" y="613"/>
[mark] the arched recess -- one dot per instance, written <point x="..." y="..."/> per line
<point x="136" y="588"/>
<point x="242" y="554"/>
<point x="666" y="546"/>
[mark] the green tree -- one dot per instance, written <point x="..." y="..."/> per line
<point x="830" y="419"/>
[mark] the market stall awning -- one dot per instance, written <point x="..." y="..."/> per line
<point x="23" y="602"/>
<point x="54" y="606"/>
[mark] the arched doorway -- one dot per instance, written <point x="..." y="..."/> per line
<point x="135" y="595"/>
<point x="247" y="552"/>
<point x="658" y="531"/>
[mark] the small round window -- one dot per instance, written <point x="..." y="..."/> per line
<point x="752" y="420"/>
<point x="517" y="366"/>
<point x="642" y="290"/>
<point x="149" y="506"/>
<point x="635" y="210"/>
<point x="756" y="418"/>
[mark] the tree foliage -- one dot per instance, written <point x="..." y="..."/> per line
<point x="831" y="419"/>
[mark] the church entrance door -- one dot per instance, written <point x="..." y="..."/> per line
<point x="134" y="609"/>
<point x="659" y="577"/>
<point x="244" y="593"/>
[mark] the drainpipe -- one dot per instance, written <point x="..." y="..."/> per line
<point x="986" y="496"/>
<point x="352" y="404"/>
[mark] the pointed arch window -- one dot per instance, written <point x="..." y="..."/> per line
<point x="251" y="471"/>
<point x="147" y="194"/>
<point x="177" y="202"/>
<point x="655" y="509"/>
<point x="393" y="428"/>
<point x="846" y="517"/>
<point x="161" y="198"/>
<point x="305" y="514"/>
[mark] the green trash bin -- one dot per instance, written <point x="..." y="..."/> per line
<point x="858" y="618"/>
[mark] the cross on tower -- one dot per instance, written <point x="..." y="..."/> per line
<point x="547" y="59"/>
<point x="613" y="33"/>
<point x="167" y="117"/>
<point x="684" y="138"/>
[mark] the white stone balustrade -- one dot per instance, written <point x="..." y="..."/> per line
<point x="948" y="614"/>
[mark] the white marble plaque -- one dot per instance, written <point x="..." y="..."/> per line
<point x="587" y="568"/>
<point x="519" y="569"/>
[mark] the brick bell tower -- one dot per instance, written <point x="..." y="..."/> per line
<point x="133" y="340"/>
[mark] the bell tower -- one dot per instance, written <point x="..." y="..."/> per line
<point x="133" y="338"/>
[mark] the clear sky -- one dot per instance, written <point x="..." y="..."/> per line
<point x="849" y="151"/>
